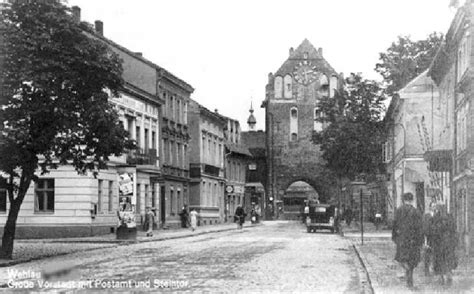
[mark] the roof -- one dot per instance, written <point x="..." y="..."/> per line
<point x="251" y="119"/>
<point x="163" y="72"/>
<point x="239" y="149"/>
<point x="420" y="84"/>
<point x="314" y="56"/>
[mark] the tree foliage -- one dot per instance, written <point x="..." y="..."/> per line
<point x="351" y="142"/>
<point x="405" y="59"/>
<point x="57" y="80"/>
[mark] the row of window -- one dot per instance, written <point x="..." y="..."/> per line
<point x="232" y="134"/>
<point x="146" y="138"/>
<point x="283" y="86"/>
<point x="235" y="171"/>
<point x="43" y="197"/>
<point x="317" y="125"/>
<point x="176" y="200"/>
<point x="176" y="108"/>
<point x="464" y="55"/>
<point x="212" y="150"/>
<point x="175" y="154"/>
<point x="210" y="192"/>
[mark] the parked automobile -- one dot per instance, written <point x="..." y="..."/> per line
<point x="322" y="216"/>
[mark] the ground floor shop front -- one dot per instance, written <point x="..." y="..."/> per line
<point x="64" y="203"/>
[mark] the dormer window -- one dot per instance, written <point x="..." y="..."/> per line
<point x="305" y="55"/>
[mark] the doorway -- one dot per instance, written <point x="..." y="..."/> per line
<point x="163" y="204"/>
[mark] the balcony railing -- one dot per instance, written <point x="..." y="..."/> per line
<point x="142" y="157"/>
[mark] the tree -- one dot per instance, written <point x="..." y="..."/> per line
<point x="351" y="142"/>
<point x="55" y="107"/>
<point x="406" y="59"/>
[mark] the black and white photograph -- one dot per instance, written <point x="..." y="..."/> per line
<point x="237" y="146"/>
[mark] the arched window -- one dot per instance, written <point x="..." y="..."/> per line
<point x="288" y="88"/>
<point x="332" y="86"/>
<point x="294" y="124"/>
<point x="318" y="125"/>
<point x="324" y="85"/>
<point x="278" y="87"/>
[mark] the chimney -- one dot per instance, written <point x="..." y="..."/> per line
<point x="139" y="54"/>
<point x="76" y="13"/>
<point x="270" y="77"/>
<point x="99" y="27"/>
<point x="320" y="51"/>
<point x="216" y="111"/>
<point x="341" y="74"/>
<point x="291" y="51"/>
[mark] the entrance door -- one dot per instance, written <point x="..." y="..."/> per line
<point x="163" y="205"/>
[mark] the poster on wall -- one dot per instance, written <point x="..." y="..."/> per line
<point x="127" y="195"/>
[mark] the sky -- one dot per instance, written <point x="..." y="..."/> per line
<point x="225" y="49"/>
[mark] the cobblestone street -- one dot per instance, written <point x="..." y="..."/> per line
<point x="276" y="256"/>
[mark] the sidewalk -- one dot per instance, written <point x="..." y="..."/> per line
<point x="377" y="254"/>
<point x="33" y="249"/>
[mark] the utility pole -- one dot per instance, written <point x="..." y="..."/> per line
<point x="361" y="218"/>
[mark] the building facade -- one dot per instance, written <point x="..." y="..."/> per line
<point x="291" y="114"/>
<point x="452" y="71"/>
<point x="256" y="175"/>
<point x="236" y="159"/>
<point x="174" y="191"/>
<point x="207" y="182"/>
<point x="63" y="203"/>
<point x="414" y="119"/>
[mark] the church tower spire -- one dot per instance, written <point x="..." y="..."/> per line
<point x="251" y="121"/>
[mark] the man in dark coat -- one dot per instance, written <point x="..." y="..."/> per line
<point x="239" y="216"/>
<point x="407" y="234"/>
<point x="184" y="215"/>
<point x="444" y="244"/>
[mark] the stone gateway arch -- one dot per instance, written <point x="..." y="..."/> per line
<point x="291" y="115"/>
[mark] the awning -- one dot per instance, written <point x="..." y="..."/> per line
<point x="439" y="160"/>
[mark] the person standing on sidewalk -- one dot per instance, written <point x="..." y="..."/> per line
<point x="184" y="215"/>
<point x="407" y="233"/>
<point x="444" y="245"/>
<point x="193" y="215"/>
<point x="149" y="221"/>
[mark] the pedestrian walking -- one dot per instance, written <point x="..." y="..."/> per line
<point x="184" y="216"/>
<point x="428" y="240"/>
<point x="239" y="216"/>
<point x="149" y="221"/>
<point x="348" y="216"/>
<point x="407" y="233"/>
<point x="444" y="245"/>
<point x="193" y="215"/>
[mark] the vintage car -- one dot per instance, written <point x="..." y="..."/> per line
<point x="322" y="216"/>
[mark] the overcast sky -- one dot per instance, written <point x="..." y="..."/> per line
<point x="225" y="49"/>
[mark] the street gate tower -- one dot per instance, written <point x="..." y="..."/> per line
<point x="291" y="115"/>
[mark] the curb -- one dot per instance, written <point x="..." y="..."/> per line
<point x="114" y="243"/>
<point x="367" y="275"/>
